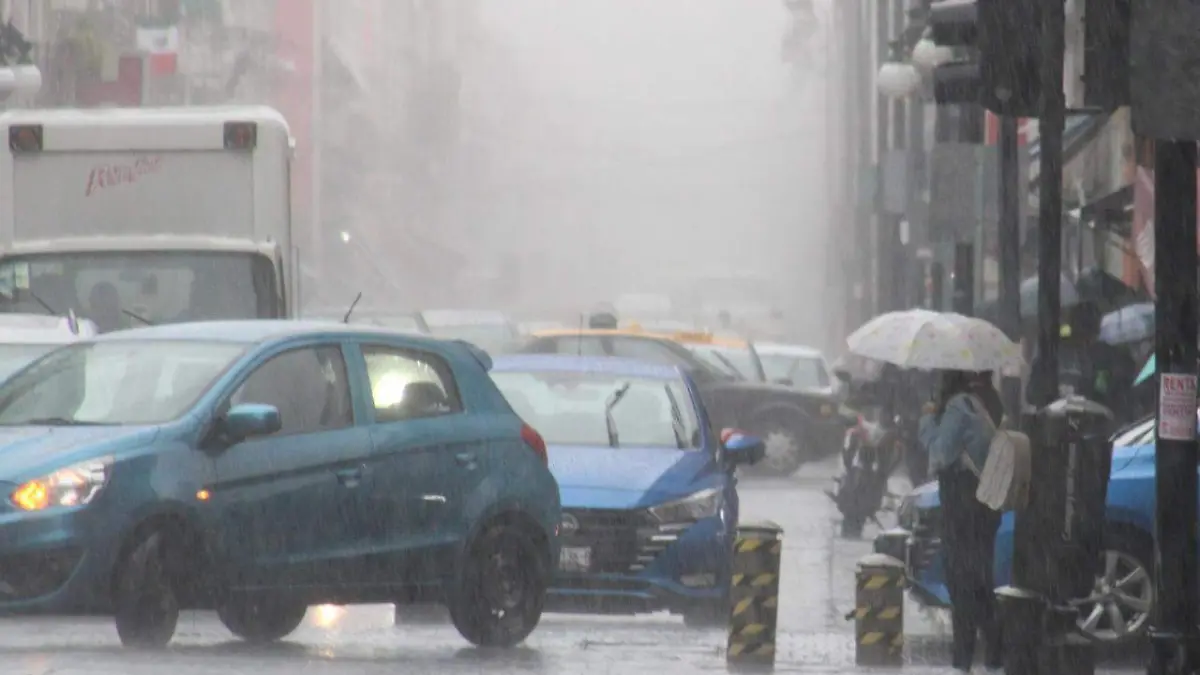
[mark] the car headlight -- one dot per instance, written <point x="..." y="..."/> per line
<point x="703" y="504"/>
<point x="75" y="485"/>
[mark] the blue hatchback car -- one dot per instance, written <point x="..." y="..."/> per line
<point x="650" y="502"/>
<point x="1121" y="603"/>
<point x="259" y="467"/>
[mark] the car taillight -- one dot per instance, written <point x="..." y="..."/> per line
<point x="535" y="442"/>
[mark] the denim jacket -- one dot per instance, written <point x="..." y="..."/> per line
<point x="961" y="428"/>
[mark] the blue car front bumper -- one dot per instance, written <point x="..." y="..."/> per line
<point x="637" y="566"/>
<point x="55" y="562"/>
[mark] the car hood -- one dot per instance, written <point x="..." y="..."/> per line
<point x="628" y="477"/>
<point x="26" y="450"/>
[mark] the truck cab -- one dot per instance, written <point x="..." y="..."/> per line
<point x="147" y="216"/>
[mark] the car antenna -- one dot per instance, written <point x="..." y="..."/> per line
<point x="579" y="337"/>
<point x="346" y="319"/>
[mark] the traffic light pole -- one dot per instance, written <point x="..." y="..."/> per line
<point x="1174" y="638"/>
<point x="1009" y="237"/>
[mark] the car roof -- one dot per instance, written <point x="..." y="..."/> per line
<point x="444" y="318"/>
<point x="788" y="350"/>
<point x="250" y="331"/>
<point x="606" y="365"/>
<point x="587" y="332"/>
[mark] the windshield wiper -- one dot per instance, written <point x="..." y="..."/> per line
<point x="138" y="317"/>
<point x="613" y="400"/>
<point x="676" y="418"/>
<point x="733" y="370"/>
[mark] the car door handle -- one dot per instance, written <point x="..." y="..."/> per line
<point x="465" y="459"/>
<point x="349" y="477"/>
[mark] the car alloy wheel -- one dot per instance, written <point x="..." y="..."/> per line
<point x="1120" y="604"/>
<point x="503" y="589"/>
<point x="782" y="454"/>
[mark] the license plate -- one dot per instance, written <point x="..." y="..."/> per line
<point x="575" y="559"/>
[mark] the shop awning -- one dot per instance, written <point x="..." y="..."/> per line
<point x="1078" y="131"/>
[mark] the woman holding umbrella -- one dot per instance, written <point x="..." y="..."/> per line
<point x="957" y="432"/>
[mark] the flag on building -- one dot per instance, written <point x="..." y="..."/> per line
<point x="161" y="46"/>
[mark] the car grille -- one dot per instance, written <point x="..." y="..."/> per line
<point x="926" y="537"/>
<point x="622" y="542"/>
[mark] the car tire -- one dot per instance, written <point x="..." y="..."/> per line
<point x="146" y="608"/>
<point x="501" y="588"/>
<point x="785" y="448"/>
<point x="1124" y="588"/>
<point x="261" y="620"/>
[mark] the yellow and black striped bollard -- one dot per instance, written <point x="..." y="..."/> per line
<point x="754" y="595"/>
<point x="879" y="611"/>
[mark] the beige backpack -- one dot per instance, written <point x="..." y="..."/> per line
<point x="1004" y="479"/>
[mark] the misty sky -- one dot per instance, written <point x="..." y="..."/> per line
<point x="625" y="143"/>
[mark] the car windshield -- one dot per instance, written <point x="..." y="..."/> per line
<point x="13" y="357"/>
<point x="736" y="362"/>
<point x="802" y="371"/>
<point x="130" y="289"/>
<point x="488" y="336"/>
<point x="119" y="383"/>
<point x="568" y="408"/>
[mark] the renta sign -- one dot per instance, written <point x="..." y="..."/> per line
<point x="108" y="176"/>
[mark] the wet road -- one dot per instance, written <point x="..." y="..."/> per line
<point x="817" y="590"/>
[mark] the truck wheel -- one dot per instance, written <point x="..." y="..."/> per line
<point x="261" y="620"/>
<point x="786" y="448"/>
<point x="146" y="607"/>
<point x="501" y="588"/>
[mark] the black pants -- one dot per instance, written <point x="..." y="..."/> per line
<point x="968" y="543"/>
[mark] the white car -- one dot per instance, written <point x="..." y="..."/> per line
<point x="796" y="366"/>
<point x="25" y="337"/>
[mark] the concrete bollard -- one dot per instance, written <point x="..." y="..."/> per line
<point x="879" y="611"/>
<point x="754" y="595"/>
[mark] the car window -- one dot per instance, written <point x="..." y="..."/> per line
<point x="307" y="385"/>
<point x="572" y="408"/>
<point x="408" y="385"/>
<point x="647" y="350"/>
<point x="585" y="345"/>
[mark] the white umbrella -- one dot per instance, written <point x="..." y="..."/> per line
<point x="935" y="340"/>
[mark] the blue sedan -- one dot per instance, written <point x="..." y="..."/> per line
<point x="259" y="467"/>
<point x="1120" y="606"/>
<point x="649" y="493"/>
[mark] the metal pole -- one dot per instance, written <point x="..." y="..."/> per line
<point x="1174" y="638"/>
<point x="1009" y="239"/>
<point x="1050" y="201"/>
<point x="883" y="220"/>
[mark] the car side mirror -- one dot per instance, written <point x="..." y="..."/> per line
<point x="247" y="420"/>
<point x="741" y="447"/>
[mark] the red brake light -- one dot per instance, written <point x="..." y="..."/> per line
<point x="535" y="442"/>
<point x="25" y="138"/>
<point x="241" y="135"/>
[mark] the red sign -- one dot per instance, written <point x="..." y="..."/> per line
<point x="111" y="175"/>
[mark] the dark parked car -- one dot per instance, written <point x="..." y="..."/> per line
<point x="795" y="425"/>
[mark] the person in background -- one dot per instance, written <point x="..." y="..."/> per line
<point x="104" y="307"/>
<point x="957" y="435"/>
<point x="1088" y="366"/>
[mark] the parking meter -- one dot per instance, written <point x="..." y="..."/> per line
<point x="1075" y="433"/>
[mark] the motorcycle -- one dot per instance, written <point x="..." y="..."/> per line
<point x="871" y="452"/>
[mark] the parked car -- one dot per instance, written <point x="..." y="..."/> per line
<point x="1121" y="605"/>
<point x="259" y="467"/>
<point x="25" y="337"/>
<point x="489" y="330"/>
<point x="797" y="366"/>
<point x="650" y="502"/>
<point x="796" y="425"/>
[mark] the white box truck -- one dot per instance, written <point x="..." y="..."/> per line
<point x="145" y="215"/>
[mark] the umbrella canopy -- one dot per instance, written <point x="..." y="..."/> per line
<point x="1133" y="323"/>
<point x="919" y="338"/>
<point x="1068" y="295"/>
<point x="1147" y="372"/>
